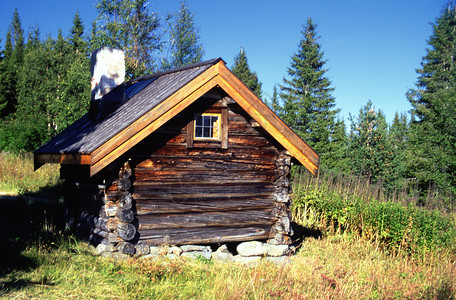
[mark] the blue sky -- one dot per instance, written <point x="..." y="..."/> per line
<point x="373" y="47"/>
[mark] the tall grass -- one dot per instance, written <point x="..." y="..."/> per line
<point x="341" y="204"/>
<point x="323" y="269"/>
<point x="17" y="175"/>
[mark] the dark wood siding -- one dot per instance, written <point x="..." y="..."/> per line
<point x="205" y="194"/>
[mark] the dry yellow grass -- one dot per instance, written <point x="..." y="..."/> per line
<point x="331" y="268"/>
<point x="17" y="174"/>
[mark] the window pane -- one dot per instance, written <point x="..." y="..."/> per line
<point x="207" y="121"/>
<point x="199" y="120"/>
<point x="207" y="132"/>
<point x="198" y="132"/>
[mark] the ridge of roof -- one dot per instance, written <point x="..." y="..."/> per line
<point x="212" y="61"/>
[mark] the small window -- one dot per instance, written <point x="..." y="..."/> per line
<point x="207" y="126"/>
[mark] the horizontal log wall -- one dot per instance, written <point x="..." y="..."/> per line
<point x="205" y="194"/>
<point x="164" y="192"/>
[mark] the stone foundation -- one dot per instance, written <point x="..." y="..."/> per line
<point x="248" y="253"/>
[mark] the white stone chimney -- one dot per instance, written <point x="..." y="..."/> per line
<point x="107" y="66"/>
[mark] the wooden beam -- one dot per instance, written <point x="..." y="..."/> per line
<point x="268" y="120"/>
<point x="153" y="120"/>
<point x="224" y="133"/>
<point x="66" y="158"/>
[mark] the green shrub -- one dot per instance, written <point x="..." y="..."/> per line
<point x="392" y="225"/>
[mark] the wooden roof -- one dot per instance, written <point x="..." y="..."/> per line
<point x="152" y="101"/>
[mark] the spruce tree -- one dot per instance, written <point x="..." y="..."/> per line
<point x="338" y="162"/>
<point x="130" y="26"/>
<point x="242" y="71"/>
<point x="432" y="147"/>
<point x="398" y="136"/>
<point x="184" y="40"/>
<point x="7" y="80"/>
<point x="368" y="146"/>
<point x="11" y="63"/>
<point x="308" y="104"/>
<point x="77" y="35"/>
<point x="76" y="83"/>
<point x="275" y="105"/>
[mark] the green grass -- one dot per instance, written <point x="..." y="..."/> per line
<point x="334" y="268"/>
<point x="18" y="177"/>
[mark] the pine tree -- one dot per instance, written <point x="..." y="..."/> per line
<point x="184" y="40"/>
<point x="337" y="162"/>
<point x="128" y="25"/>
<point x="398" y="136"/>
<point x="77" y="35"/>
<point x="368" y="146"/>
<point x="308" y="104"/>
<point x="11" y="63"/>
<point x="275" y="105"/>
<point x="76" y="83"/>
<point x="432" y="147"/>
<point x="7" y="81"/>
<point x="242" y="71"/>
<point x="17" y="34"/>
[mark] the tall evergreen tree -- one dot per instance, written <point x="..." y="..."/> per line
<point x="398" y="136"/>
<point x="184" y="40"/>
<point x="7" y="80"/>
<point x="130" y="26"/>
<point x="242" y="71"/>
<point x="17" y="34"/>
<point x="77" y="35"/>
<point x="432" y="147"/>
<point x="76" y="83"/>
<point x="368" y="146"/>
<point x="11" y="63"/>
<point x="337" y="161"/>
<point x="275" y="105"/>
<point x="308" y="104"/>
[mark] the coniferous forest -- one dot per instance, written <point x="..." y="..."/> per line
<point x="45" y="86"/>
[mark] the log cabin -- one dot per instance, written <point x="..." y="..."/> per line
<point x="185" y="156"/>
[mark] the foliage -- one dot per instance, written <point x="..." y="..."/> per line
<point x="308" y="106"/>
<point x="55" y="102"/>
<point x="242" y="71"/>
<point x="76" y="38"/>
<point x="184" y="42"/>
<point x="130" y="26"/>
<point x="363" y="210"/>
<point x="369" y="146"/>
<point x="275" y="105"/>
<point x="431" y="154"/>
<point x="9" y="67"/>
<point x="398" y="137"/>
